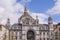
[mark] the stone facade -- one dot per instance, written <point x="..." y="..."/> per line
<point x="2" y="32"/>
<point x="29" y="28"/>
<point x="57" y="32"/>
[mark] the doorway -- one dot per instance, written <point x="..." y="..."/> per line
<point x="30" y="35"/>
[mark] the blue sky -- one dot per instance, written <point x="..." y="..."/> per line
<point x="13" y="9"/>
<point x="39" y="5"/>
<point x="42" y="6"/>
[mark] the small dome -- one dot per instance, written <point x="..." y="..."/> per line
<point x="49" y="18"/>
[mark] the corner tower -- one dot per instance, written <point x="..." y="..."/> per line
<point x="50" y="22"/>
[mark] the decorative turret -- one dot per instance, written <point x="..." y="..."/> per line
<point x="50" y="22"/>
<point x="8" y="22"/>
<point x="37" y="20"/>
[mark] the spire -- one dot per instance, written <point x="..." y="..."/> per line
<point x="25" y="11"/>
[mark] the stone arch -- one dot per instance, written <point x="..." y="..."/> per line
<point x="30" y="35"/>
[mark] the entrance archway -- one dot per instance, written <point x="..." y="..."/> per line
<point x="30" y="35"/>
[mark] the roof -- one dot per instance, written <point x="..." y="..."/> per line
<point x="58" y="24"/>
<point x="44" y="27"/>
<point x="25" y="14"/>
<point x="16" y="26"/>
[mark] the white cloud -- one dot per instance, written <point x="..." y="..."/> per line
<point x="55" y="9"/>
<point x="25" y="1"/>
<point x="54" y="22"/>
<point x="9" y="9"/>
<point x="41" y="17"/>
<point x="1" y="9"/>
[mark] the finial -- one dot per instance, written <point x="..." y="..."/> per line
<point x="36" y="16"/>
<point x="25" y="11"/>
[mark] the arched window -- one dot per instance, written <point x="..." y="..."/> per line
<point x="27" y="20"/>
<point x="30" y="35"/>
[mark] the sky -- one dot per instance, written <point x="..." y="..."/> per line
<point x="13" y="9"/>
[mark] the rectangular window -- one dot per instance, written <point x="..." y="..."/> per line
<point x="43" y="33"/>
<point x="59" y="29"/>
<point x="47" y="38"/>
<point x="43" y="38"/>
<point x="40" y="38"/>
<point x="16" y="35"/>
<point x="40" y="33"/>
<point x="0" y="28"/>
<point x="47" y="33"/>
